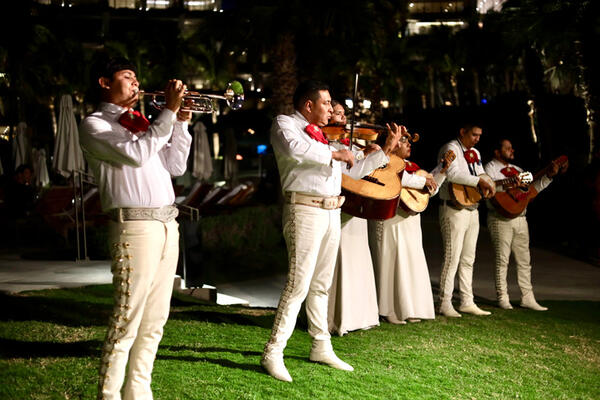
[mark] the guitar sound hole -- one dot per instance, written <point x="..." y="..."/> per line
<point x="373" y="180"/>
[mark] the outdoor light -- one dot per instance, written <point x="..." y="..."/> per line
<point x="216" y="145"/>
<point x="251" y="131"/>
<point x="483" y="101"/>
<point x="366" y="104"/>
<point x="349" y="103"/>
<point x="447" y="103"/>
<point x="261" y="149"/>
<point x="263" y="99"/>
<point x="239" y="157"/>
<point x="384" y="103"/>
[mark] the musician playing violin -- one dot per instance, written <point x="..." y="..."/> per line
<point x="460" y="226"/>
<point x="352" y="296"/>
<point x="511" y="235"/>
<point x="310" y="170"/>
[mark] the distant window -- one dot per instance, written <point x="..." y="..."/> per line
<point x="159" y="4"/>
<point x="424" y="7"/>
<point x="122" y="3"/>
<point x="201" y="5"/>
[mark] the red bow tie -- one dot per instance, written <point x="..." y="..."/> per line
<point x="509" y="171"/>
<point x="471" y="156"/>
<point x="316" y="133"/>
<point x="134" y="121"/>
<point x="411" y="167"/>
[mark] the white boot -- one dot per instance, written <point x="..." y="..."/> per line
<point x="473" y="309"/>
<point x="528" y="301"/>
<point x="447" y="310"/>
<point x="322" y="352"/>
<point x="504" y="304"/>
<point x="275" y="367"/>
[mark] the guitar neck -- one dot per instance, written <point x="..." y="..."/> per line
<point x="506" y="181"/>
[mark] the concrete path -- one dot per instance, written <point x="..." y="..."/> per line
<point x="555" y="276"/>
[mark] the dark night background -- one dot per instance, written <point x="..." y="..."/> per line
<point x="484" y="69"/>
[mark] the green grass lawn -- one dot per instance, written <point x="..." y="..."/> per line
<point x="50" y="343"/>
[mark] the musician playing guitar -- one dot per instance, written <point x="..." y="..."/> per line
<point x="460" y="226"/>
<point x="403" y="283"/>
<point x="512" y="234"/>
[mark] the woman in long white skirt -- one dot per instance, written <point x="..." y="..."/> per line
<point x="401" y="273"/>
<point x="352" y="296"/>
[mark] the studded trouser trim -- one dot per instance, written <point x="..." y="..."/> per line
<point x="460" y="229"/>
<point x="121" y="270"/>
<point x="145" y="259"/>
<point x="290" y="286"/>
<point x="510" y="236"/>
<point x="312" y="237"/>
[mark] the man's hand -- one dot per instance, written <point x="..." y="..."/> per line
<point x="371" y="148"/>
<point x="174" y="92"/>
<point x="430" y="183"/>
<point x="554" y="168"/>
<point x="343" y="155"/>
<point x="395" y="132"/>
<point x="185" y="116"/>
<point x="487" y="188"/>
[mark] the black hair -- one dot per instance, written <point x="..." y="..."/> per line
<point x="335" y="103"/>
<point x="106" y="67"/>
<point x="308" y="90"/>
<point x="468" y="126"/>
<point x="21" y="168"/>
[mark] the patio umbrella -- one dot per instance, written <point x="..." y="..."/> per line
<point x="21" y="146"/>
<point x="230" y="162"/>
<point x="67" y="153"/>
<point x="40" y="168"/>
<point x="202" y="167"/>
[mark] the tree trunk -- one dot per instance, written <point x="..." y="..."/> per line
<point x="431" y="80"/>
<point x="476" y="90"/>
<point x="285" y="78"/>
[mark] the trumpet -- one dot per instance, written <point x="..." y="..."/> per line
<point x="199" y="102"/>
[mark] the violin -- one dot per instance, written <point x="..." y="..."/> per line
<point x="367" y="132"/>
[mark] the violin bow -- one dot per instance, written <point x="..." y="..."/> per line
<point x="353" y="110"/>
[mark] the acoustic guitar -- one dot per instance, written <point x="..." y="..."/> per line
<point x="512" y="202"/>
<point x="416" y="200"/>
<point x="374" y="196"/>
<point x="467" y="196"/>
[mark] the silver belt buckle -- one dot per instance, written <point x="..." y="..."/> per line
<point x="165" y="214"/>
<point x="332" y="203"/>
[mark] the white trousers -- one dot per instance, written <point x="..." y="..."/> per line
<point x="312" y="236"/>
<point x="460" y="229"/>
<point x="510" y="235"/>
<point x="144" y="262"/>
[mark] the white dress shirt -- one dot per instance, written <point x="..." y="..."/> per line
<point x="458" y="171"/>
<point x="494" y="168"/>
<point x="306" y="165"/>
<point x="132" y="170"/>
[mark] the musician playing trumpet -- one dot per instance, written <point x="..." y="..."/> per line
<point x="403" y="284"/>
<point x="460" y="225"/>
<point x="133" y="161"/>
<point x="511" y="235"/>
<point x="311" y="173"/>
